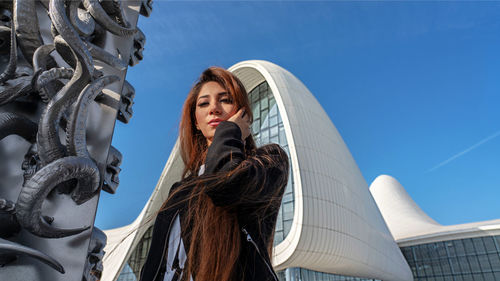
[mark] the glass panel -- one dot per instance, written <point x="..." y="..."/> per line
<point x="467" y="277"/>
<point x="428" y="268"/>
<point x="464" y="264"/>
<point x="414" y="270"/>
<point x="497" y="242"/>
<point x="489" y="244"/>
<point x="436" y="267"/>
<point x="264" y="136"/>
<point x="451" y="248"/>
<point x="281" y="275"/>
<point x="263" y="87"/>
<point x="273" y="120"/>
<point x="469" y="247"/>
<point x="286" y="226"/>
<point x="459" y="247"/>
<point x="278" y="236"/>
<point x="274" y="108"/>
<point x="478" y="245"/>
<point x="474" y="264"/>
<point x="455" y="266"/>
<point x="288" y="197"/>
<point x="488" y="276"/>
<point x="445" y="266"/>
<point x="264" y="122"/>
<point x="256" y="110"/>
<point x="407" y="253"/>
<point x="418" y="253"/>
<point x="273" y="131"/>
<point x="484" y="263"/>
<point x="282" y="134"/>
<point x="288" y="210"/>
<point x="256" y="126"/>
<point x="441" y="249"/>
<point x="420" y="270"/>
<point x="424" y="251"/>
<point x="264" y="103"/>
<point x="494" y="262"/>
<point x="433" y="250"/>
<point x="478" y="277"/>
<point x="279" y="221"/>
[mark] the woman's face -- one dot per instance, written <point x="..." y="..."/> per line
<point x="213" y="105"/>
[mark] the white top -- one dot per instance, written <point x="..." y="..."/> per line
<point x="176" y="258"/>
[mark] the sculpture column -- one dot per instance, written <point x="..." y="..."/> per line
<point x="62" y="86"/>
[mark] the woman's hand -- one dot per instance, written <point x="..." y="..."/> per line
<point x="243" y="121"/>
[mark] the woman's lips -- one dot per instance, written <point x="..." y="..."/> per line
<point x="214" y="123"/>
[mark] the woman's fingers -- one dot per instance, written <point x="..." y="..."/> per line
<point x="243" y="121"/>
<point x="236" y="116"/>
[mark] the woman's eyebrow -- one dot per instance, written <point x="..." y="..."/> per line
<point x="219" y="94"/>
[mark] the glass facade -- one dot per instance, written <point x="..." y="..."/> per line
<point x="267" y="128"/>
<point x="302" y="274"/>
<point x="470" y="259"/>
<point x="132" y="268"/>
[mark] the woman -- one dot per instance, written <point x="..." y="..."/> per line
<point x="218" y="221"/>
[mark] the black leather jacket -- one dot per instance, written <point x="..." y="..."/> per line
<point x="268" y="168"/>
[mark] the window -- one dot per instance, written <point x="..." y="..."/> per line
<point x="469" y="259"/>
<point x="132" y="268"/>
<point x="268" y="128"/>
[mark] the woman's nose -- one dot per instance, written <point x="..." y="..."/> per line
<point x="215" y="108"/>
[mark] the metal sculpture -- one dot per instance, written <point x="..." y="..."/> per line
<point x="93" y="266"/>
<point x="62" y="86"/>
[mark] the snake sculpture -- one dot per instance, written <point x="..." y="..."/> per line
<point x="15" y="80"/>
<point x="60" y="80"/>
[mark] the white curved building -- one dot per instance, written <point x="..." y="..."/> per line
<point x="469" y="251"/>
<point x="410" y="225"/>
<point x="328" y="221"/>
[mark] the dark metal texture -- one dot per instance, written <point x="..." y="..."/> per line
<point x="62" y="87"/>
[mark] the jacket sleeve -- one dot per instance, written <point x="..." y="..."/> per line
<point x="244" y="183"/>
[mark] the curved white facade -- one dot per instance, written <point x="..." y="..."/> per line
<point x="411" y="226"/>
<point x="337" y="227"/>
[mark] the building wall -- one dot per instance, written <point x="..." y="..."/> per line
<point x="336" y="227"/>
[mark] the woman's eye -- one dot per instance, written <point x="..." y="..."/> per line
<point x="203" y="104"/>
<point x="227" y="100"/>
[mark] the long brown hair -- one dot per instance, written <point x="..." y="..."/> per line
<point x="193" y="143"/>
<point x="214" y="234"/>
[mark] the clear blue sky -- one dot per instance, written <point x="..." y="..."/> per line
<point x="412" y="87"/>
